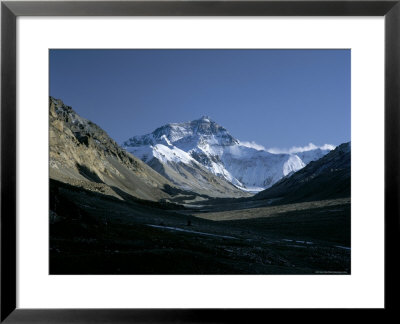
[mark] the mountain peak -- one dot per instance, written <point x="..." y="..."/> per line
<point x="205" y="118"/>
<point x="202" y="130"/>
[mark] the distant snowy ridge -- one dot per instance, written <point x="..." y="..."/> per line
<point x="246" y="165"/>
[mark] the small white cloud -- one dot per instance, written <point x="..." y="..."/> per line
<point x="253" y="145"/>
<point x="298" y="149"/>
<point x="327" y="147"/>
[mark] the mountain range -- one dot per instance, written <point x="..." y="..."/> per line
<point x="189" y="161"/>
<point x="84" y="155"/>
<point x="202" y="143"/>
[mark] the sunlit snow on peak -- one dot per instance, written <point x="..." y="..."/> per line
<point x="293" y="164"/>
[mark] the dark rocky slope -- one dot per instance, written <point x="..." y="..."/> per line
<point x="326" y="178"/>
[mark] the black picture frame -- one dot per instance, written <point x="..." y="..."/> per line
<point x="10" y="10"/>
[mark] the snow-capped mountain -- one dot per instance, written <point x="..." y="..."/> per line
<point x="204" y="142"/>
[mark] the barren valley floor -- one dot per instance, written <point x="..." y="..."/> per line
<point x="99" y="234"/>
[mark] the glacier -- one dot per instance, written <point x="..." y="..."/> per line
<point x="202" y="141"/>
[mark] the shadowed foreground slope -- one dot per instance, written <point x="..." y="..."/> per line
<point x="94" y="233"/>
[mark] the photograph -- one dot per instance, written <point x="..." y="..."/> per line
<point x="199" y="161"/>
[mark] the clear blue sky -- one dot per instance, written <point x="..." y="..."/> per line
<point x="277" y="98"/>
